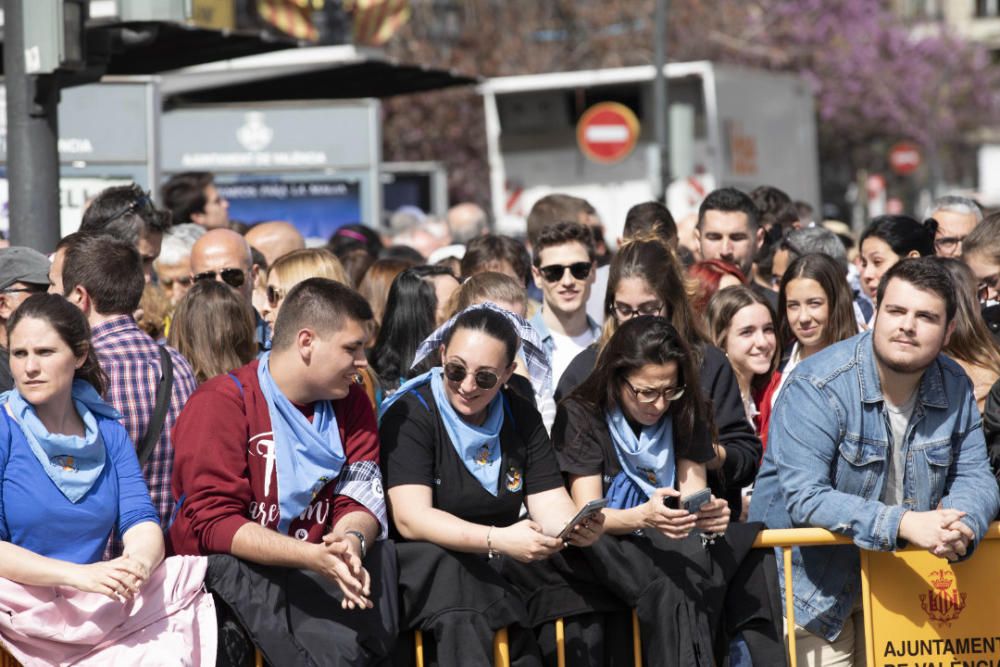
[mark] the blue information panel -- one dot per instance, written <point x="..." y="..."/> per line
<point x="316" y="208"/>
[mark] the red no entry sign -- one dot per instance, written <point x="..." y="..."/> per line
<point x="904" y="158"/>
<point x="607" y="132"/>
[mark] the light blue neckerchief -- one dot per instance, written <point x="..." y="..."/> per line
<point x="477" y="446"/>
<point x="72" y="462"/>
<point x="307" y="455"/>
<point x="647" y="461"/>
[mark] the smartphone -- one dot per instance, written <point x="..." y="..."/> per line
<point x="691" y="502"/>
<point x="590" y="509"/>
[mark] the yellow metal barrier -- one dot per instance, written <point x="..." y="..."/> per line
<point x="782" y="539"/>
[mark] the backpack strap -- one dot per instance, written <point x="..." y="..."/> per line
<point x="163" y="390"/>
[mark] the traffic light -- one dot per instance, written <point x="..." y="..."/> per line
<point x="54" y="35"/>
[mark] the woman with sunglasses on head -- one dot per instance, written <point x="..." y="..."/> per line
<point x="815" y="310"/>
<point x="638" y="433"/>
<point x="646" y="279"/>
<point x="461" y="454"/>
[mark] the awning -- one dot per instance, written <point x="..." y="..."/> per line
<point x="157" y="46"/>
<point x="310" y="73"/>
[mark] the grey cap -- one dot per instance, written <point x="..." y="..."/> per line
<point x="23" y="265"/>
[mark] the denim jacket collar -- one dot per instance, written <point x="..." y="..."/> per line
<point x="931" y="389"/>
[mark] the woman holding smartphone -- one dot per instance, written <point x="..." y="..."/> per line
<point x="637" y="432"/>
<point x="461" y="454"/>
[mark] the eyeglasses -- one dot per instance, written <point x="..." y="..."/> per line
<point x="274" y="295"/>
<point x="650" y="395"/>
<point x="986" y="285"/>
<point x="553" y="273"/>
<point x="456" y="372"/>
<point x="168" y="283"/>
<point x="232" y="277"/>
<point x="142" y="202"/>
<point x="627" y="312"/>
<point x="948" y="243"/>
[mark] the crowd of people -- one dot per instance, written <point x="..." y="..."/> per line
<point x="217" y="441"/>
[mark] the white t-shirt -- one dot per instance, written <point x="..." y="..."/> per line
<point x="899" y="419"/>
<point x="566" y="349"/>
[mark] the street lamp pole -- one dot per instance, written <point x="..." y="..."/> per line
<point x="32" y="141"/>
<point x="662" y="113"/>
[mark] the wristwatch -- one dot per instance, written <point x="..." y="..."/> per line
<point x="361" y="540"/>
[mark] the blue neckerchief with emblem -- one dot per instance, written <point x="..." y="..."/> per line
<point x="647" y="460"/>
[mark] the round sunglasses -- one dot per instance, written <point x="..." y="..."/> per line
<point x="456" y="372"/>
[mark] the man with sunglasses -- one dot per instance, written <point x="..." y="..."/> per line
<point x="23" y="272"/>
<point x="224" y="255"/>
<point x="564" y="268"/>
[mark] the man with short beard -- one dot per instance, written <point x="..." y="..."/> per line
<point x="877" y="438"/>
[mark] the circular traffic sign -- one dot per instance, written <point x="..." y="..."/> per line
<point x="904" y="158"/>
<point x="607" y="132"/>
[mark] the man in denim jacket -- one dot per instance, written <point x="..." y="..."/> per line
<point x="877" y="438"/>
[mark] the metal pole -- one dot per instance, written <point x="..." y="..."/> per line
<point x="32" y="142"/>
<point x="662" y="113"/>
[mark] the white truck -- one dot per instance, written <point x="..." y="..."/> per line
<point x="729" y="126"/>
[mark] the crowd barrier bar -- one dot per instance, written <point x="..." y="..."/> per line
<point x="783" y="539"/>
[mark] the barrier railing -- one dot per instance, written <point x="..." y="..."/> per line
<point x="781" y="539"/>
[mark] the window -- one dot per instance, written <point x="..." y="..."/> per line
<point x="987" y="9"/>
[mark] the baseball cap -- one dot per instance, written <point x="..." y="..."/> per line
<point x="19" y="264"/>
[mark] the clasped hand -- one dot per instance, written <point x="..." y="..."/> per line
<point x="941" y="532"/>
<point x="120" y="579"/>
<point x="338" y="559"/>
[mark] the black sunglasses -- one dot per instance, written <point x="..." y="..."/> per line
<point x="142" y="202"/>
<point x="456" y="372"/>
<point x="554" y="272"/>
<point x="274" y="295"/>
<point x="232" y="277"/>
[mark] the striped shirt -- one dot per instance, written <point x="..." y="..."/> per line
<point x="131" y="360"/>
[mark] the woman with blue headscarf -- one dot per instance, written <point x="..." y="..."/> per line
<point x="461" y="455"/>
<point x="639" y="433"/>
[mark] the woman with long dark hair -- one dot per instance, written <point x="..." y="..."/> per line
<point x="814" y="311"/>
<point x="461" y="455"/>
<point x="416" y="306"/>
<point x="637" y="432"/>
<point x="646" y="279"/>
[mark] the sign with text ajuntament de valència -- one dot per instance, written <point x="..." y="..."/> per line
<point x="925" y="611"/>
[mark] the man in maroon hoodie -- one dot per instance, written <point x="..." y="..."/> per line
<point x="277" y="463"/>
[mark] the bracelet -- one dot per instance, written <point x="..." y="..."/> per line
<point x="490" y="551"/>
<point x="361" y="540"/>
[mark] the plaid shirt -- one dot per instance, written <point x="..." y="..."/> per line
<point x="131" y="360"/>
